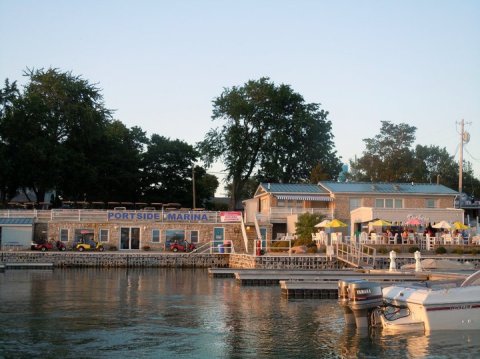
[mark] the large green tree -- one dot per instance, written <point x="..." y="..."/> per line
<point x="167" y="173"/>
<point x="388" y="156"/>
<point x="53" y="131"/>
<point x="269" y="133"/>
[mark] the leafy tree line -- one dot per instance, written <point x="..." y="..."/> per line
<point x="269" y="133"/>
<point x="391" y="157"/>
<point x="57" y="134"/>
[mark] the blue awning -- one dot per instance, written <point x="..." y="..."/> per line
<point x="16" y="221"/>
<point x="300" y="197"/>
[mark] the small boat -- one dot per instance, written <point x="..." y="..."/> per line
<point x="414" y="307"/>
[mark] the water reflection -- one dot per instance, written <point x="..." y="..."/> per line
<point x="183" y="313"/>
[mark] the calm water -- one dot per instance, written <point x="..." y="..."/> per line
<point x="165" y="313"/>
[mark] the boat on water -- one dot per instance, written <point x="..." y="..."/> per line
<point x="412" y="306"/>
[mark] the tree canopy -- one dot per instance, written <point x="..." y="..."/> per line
<point x="57" y="135"/>
<point x="389" y="157"/>
<point x="269" y="133"/>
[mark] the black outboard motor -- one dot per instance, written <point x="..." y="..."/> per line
<point x="343" y="299"/>
<point x="363" y="297"/>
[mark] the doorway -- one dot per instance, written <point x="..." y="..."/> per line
<point x="130" y="238"/>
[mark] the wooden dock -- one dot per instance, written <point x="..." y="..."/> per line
<point x="273" y="277"/>
<point x="28" y="266"/>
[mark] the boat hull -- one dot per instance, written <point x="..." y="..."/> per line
<point x="439" y="309"/>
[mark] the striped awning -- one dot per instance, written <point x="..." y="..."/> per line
<point x="307" y="197"/>
<point x="16" y="221"/>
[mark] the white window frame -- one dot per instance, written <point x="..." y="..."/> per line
<point x="159" y="236"/>
<point x="100" y="236"/>
<point x="62" y="230"/>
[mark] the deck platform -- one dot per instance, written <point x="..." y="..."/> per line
<point x="28" y="266"/>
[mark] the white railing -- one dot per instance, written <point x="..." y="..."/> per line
<point x="282" y="213"/>
<point x="103" y="215"/>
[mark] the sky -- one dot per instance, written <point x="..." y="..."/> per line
<point x="161" y="63"/>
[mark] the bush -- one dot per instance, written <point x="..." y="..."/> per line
<point x="383" y="250"/>
<point x="413" y="249"/>
<point x="303" y="242"/>
<point x="457" y="250"/>
<point x="440" y="250"/>
<point x="474" y="251"/>
<point x="279" y="246"/>
<point x="146" y="248"/>
<point x="312" y="249"/>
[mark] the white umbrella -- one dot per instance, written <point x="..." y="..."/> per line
<point x="323" y="223"/>
<point x="442" y="224"/>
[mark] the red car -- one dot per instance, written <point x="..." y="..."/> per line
<point x="182" y="246"/>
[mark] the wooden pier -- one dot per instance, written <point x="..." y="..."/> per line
<point x="28" y="266"/>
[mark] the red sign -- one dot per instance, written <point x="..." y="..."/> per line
<point x="230" y="216"/>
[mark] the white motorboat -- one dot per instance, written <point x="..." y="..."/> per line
<point x="415" y="307"/>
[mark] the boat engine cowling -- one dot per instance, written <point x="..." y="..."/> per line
<point x="363" y="298"/>
<point x="343" y="300"/>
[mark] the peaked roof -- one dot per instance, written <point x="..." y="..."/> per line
<point x="390" y="188"/>
<point x="290" y="188"/>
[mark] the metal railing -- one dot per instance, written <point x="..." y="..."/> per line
<point x="358" y="255"/>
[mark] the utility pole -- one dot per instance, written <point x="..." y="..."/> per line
<point x="464" y="138"/>
<point x="193" y="186"/>
<point x="460" y="160"/>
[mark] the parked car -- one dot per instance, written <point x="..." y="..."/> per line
<point x="182" y="246"/>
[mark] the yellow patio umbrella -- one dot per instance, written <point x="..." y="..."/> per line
<point x="336" y="223"/>
<point x="460" y="225"/>
<point x="381" y="223"/>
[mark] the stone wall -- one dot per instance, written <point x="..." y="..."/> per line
<point x="116" y="259"/>
<point x="176" y="260"/>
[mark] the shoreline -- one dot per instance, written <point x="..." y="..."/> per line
<point x="206" y="260"/>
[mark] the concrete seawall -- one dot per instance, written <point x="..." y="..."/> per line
<point x="207" y="260"/>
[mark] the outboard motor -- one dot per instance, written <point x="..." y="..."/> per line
<point x="363" y="297"/>
<point x="343" y="299"/>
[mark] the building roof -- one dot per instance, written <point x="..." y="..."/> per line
<point x="291" y="188"/>
<point x="16" y="221"/>
<point x="387" y="188"/>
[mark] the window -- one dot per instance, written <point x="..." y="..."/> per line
<point x="398" y="203"/>
<point x="64" y="235"/>
<point x="83" y="234"/>
<point x="194" y="236"/>
<point x="355" y="203"/>
<point x="156" y="235"/>
<point x="172" y="235"/>
<point x="430" y="203"/>
<point x="103" y="235"/>
<point x="281" y="203"/>
<point x="388" y="203"/>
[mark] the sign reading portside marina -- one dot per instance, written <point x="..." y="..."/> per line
<point x="230" y="216"/>
<point x="173" y="216"/>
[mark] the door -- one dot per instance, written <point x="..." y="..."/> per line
<point x="218" y="236"/>
<point x="130" y="238"/>
<point x="263" y="234"/>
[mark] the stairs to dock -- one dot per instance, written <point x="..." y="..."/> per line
<point x="356" y="255"/>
